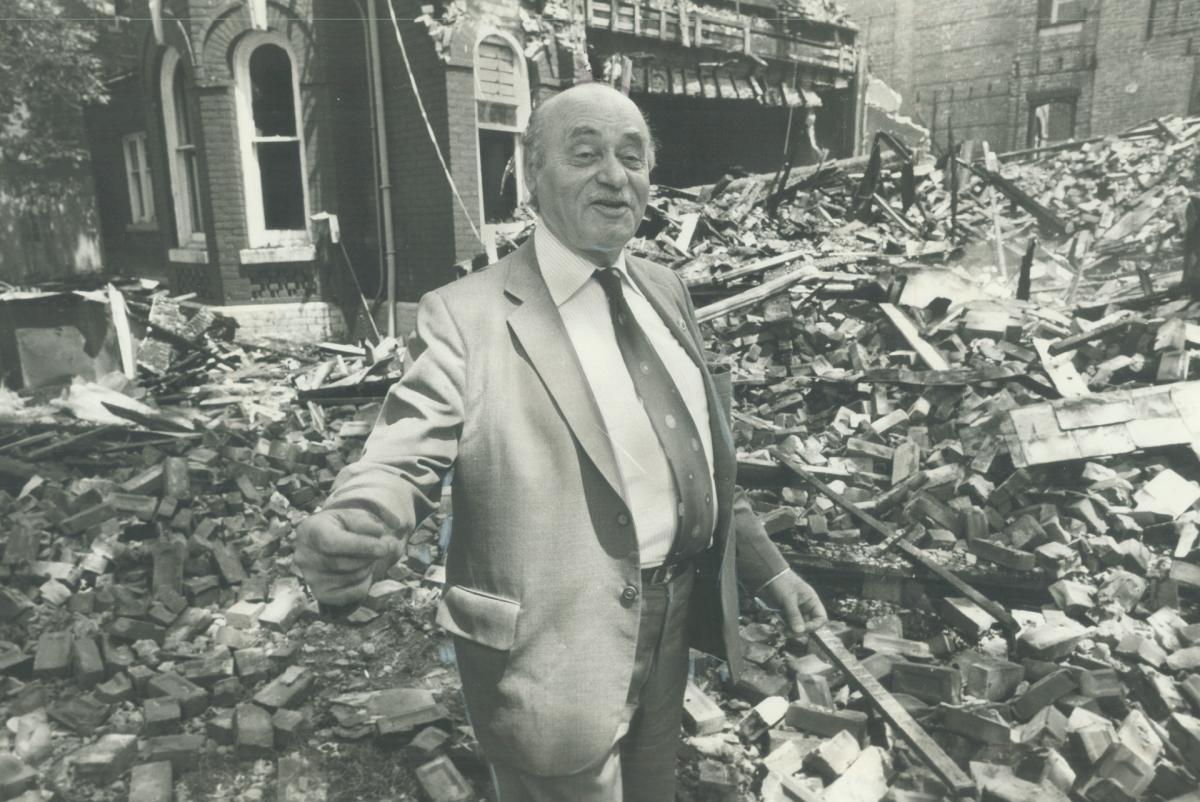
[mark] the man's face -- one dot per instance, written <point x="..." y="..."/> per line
<point x="594" y="179"/>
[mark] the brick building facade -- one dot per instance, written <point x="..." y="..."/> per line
<point x="234" y="122"/>
<point x="1019" y="72"/>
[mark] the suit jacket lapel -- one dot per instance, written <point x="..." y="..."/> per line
<point x="538" y="326"/>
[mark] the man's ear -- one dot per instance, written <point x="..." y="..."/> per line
<point x="531" y="189"/>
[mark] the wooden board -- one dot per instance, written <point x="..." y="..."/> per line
<point x="1061" y="370"/>
<point x="893" y="712"/>
<point x="908" y="330"/>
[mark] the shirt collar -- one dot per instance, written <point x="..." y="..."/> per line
<point x="565" y="271"/>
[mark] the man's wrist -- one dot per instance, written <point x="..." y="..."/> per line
<point x="763" y="587"/>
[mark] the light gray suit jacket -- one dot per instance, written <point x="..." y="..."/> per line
<point x="542" y="548"/>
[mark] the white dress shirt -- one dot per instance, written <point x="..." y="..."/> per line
<point x="645" y="472"/>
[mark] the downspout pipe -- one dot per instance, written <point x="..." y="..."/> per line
<point x="385" y="174"/>
<point x="366" y="36"/>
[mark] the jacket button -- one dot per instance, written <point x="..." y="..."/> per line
<point x="623" y="519"/>
<point x="630" y="593"/>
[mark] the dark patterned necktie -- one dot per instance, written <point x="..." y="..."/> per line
<point x="672" y="422"/>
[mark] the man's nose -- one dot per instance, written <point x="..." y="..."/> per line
<point x="612" y="172"/>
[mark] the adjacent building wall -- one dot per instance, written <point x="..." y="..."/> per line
<point x="433" y="230"/>
<point x="951" y="61"/>
<point x="980" y="67"/>
<point x="1143" y="70"/>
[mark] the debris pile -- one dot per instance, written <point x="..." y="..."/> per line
<point x="1034" y="462"/>
<point x="980" y="447"/>
<point x="150" y="621"/>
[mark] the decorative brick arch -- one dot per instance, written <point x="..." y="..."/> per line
<point x="232" y="21"/>
<point x="175" y="37"/>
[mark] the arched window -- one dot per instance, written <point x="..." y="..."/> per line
<point x="501" y="111"/>
<point x="271" y="142"/>
<point x="181" y="154"/>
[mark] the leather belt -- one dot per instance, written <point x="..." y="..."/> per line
<point x="667" y="572"/>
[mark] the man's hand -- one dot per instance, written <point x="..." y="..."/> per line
<point x="797" y="602"/>
<point x="340" y="552"/>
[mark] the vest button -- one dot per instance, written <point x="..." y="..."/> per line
<point x="630" y="593"/>
<point x="623" y="519"/>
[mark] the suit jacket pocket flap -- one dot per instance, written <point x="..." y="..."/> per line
<point x="478" y="616"/>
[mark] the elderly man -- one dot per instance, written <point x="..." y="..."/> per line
<point x="596" y="526"/>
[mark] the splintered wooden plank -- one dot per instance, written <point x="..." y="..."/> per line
<point x="687" y="229"/>
<point x="756" y="294"/>
<point x="1107" y="326"/>
<point x="761" y="265"/>
<point x="895" y="714"/>
<point x="908" y="330"/>
<point x="1061" y="370"/>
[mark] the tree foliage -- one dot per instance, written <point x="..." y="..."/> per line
<point x="49" y="71"/>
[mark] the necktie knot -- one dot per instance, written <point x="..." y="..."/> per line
<point x="610" y="280"/>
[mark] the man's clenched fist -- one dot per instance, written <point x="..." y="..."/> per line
<point x="341" y="552"/>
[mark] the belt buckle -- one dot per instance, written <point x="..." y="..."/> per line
<point x="659" y="574"/>
<point x="666" y="572"/>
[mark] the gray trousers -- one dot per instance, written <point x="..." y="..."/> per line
<point x="641" y="765"/>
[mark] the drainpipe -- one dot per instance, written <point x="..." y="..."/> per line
<point x="385" y="176"/>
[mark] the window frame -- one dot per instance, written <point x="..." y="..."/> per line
<point x="1048" y="15"/>
<point x="1173" y="21"/>
<point x="523" y="109"/>
<point x="1037" y="100"/>
<point x="257" y="234"/>
<point x="139" y="183"/>
<point x="185" y="184"/>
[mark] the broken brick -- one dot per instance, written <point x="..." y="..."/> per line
<point x="107" y="759"/>
<point x="152" y="782"/>
<point x="254" y="733"/>
<point x="826" y="723"/>
<point x="442" y="781"/>
<point x="52" y="658"/>
<point x="928" y="683"/>
<point x="1042" y="693"/>
<point x="834" y="756"/>
<point x="701" y="715"/>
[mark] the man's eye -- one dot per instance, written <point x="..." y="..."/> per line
<point x="585" y="155"/>
<point x="632" y="159"/>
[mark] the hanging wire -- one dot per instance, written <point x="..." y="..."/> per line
<point x="428" y="125"/>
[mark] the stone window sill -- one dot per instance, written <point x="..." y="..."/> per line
<point x="188" y="256"/>
<point x="144" y="227"/>
<point x="1061" y="29"/>
<point x="278" y="255"/>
